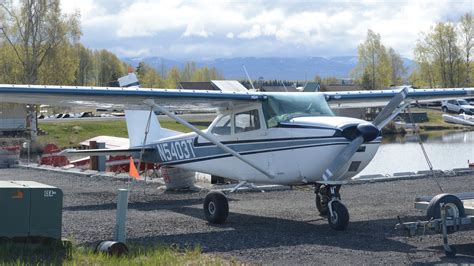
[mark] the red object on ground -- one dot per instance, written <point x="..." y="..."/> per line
<point x="52" y="157"/>
<point x="11" y="148"/>
<point x="471" y="165"/>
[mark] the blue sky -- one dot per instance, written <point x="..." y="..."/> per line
<point x="196" y="30"/>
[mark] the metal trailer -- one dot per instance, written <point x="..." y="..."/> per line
<point x="446" y="213"/>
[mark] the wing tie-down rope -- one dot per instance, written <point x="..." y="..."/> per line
<point x="425" y="154"/>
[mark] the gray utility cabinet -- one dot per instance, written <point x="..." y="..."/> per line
<point x="30" y="209"/>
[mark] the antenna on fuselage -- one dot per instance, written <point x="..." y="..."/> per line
<point x="248" y="77"/>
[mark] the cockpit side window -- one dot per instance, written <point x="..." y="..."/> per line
<point x="246" y="121"/>
<point x="223" y="126"/>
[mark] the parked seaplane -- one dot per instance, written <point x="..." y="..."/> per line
<point x="257" y="137"/>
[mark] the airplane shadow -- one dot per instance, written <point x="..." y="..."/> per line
<point x="244" y="231"/>
<point x="152" y="205"/>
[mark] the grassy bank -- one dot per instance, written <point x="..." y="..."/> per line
<point x="436" y="122"/>
<point x="71" y="133"/>
<point x="35" y="254"/>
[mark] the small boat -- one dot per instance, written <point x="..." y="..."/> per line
<point x="461" y="119"/>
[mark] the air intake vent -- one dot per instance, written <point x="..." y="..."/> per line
<point x="354" y="166"/>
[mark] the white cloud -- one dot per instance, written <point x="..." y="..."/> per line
<point x="299" y="28"/>
<point x="131" y="53"/>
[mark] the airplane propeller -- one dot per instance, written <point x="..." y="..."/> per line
<point x="365" y="132"/>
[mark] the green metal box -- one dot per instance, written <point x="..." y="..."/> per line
<point x="30" y="209"/>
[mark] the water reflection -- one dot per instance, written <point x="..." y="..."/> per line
<point x="446" y="150"/>
<point x="433" y="136"/>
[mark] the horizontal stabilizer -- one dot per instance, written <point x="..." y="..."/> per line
<point x="103" y="152"/>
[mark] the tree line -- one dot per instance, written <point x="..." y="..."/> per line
<point x="443" y="57"/>
<point x="41" y="45"/>
<point x="150" y="78"/>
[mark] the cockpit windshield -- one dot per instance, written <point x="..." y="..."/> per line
<point x="283" y="107"/>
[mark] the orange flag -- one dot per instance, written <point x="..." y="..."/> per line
<point x="133" y="170"/>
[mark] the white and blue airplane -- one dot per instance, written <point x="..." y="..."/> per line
<point x="257" y="137"/>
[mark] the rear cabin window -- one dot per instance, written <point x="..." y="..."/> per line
<point x="246" y="121"/>
<point x="223" y="126"/>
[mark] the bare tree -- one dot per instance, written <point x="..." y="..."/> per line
<point x="398" y="68"/>
<point x="36" y="29"/>
<point x="439" y="49"/>
<point x="373" y="66"/>
<point x="466" y="30"/>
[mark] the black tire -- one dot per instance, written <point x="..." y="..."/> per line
<point x="461" y="111"/>
<point x="216" y="207"/>
<point x="434" y="210"/>
<point x="340" y="221"/>
<point x="452" y="253"/>
<point x="445" y="109"/>
<point x="321" y="205"/>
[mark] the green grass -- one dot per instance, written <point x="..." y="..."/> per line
<point x="67" y="134"/>
<point x="36" y="254"/>
<point x="435" y="117"/>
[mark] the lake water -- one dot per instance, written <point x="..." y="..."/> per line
<point x="446" y="150"/>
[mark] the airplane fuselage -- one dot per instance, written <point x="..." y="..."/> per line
<point x="296" y="150"/>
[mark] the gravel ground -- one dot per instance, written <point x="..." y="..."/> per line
<point x="280" y="227"/>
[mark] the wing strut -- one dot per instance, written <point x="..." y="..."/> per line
<point x="209" y="137"/>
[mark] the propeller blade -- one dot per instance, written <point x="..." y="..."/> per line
<point x="387" y="111"/>
<point x="342" y="158"/>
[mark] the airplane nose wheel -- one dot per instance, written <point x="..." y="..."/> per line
<point x="328" y="202"/>
<point x="339" y="216"/>
<point x="216" y="207"/>
<point x="322" y="199"/>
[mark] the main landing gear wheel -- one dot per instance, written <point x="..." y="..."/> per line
<point x="216" y="207"/>
<point x="339" y="216"/>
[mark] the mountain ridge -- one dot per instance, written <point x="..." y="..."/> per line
<point x="268" y="68"/>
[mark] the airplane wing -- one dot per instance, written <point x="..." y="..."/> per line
<point x="377" y="98"/>
<point x="132" y="98"/>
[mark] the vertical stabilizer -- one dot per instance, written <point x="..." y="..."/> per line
<point x="136" y="125"/>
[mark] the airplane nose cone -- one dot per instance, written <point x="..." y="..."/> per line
<point x="368" y="131"/>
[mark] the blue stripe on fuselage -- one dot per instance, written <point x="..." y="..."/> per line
<point x="169" y="153"/>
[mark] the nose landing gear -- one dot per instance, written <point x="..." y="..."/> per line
<point x="328" y="203"/>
